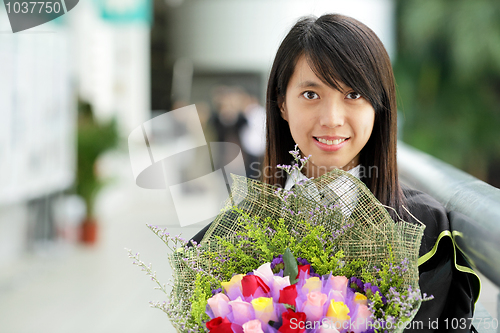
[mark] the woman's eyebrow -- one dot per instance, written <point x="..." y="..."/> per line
<point x="308" y="84"/>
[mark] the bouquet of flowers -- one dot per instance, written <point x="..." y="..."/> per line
<point x="322" y="257"/>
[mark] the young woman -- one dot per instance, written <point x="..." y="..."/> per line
<point x="331" y="91"/>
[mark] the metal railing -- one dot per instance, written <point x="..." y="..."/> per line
<point x="459" y="192"/>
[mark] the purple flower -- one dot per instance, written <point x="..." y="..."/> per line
<point x="277" y="264"/>
<point x="216" y="291"/>
<point x="302" y="261"/>
<point x="357" y="285"/>
<point x="369" y="290"/>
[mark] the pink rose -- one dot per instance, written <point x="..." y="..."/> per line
<point x="362" y="319"/>
<point x="313" y="307"/>
<point x="242" y="311"/>
<point x="339" y="283"/>
<point x="219" y="305"/>
<point x="253" y="326"/>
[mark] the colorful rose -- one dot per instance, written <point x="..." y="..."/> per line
<point x="278" y="283"/>
<point x="362" y="319"/>
<point x="253" y="285"/>
<point x="336" y="295"/>
<point x="313" y="307"/>
<point x="312" y="284"/>
<point x="293" y="322"/>
<point x="219" y="325"/>
<point x="219" y="305"/>
<point x="264" y="309"/>
<point x="257" y="298"/>
<point x="303" y="269"/>
<point x="360" y="298"/>
<point x="288" y="295"/>
<point x="242" y="311"/>
<point x="338" y="283"/>
<point x="265" y="273"/>
<point x="338" y="312"/>
<point x="233" y="287"/>
<point x="253" y="326"/>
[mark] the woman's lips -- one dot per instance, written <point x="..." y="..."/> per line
<point x="333" y="143"/>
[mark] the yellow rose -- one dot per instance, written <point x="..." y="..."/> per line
<point x="338" y="310"/>
<point x="264" y="309"/>
<point x="261" y="303"/>
<point x="360" y="298"/>
<point x="312" y="284"/>
<point x="233" y="285"/>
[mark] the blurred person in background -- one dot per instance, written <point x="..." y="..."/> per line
<point x="238" y="118"/>
<point x="252" y="134"/>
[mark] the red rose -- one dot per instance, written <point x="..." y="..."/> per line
<point x="288" y="295"/>
<point x="219" y="325"/>
<point x="293" y="322"/>
<point x="303" y="268"/>
<point x="250" y="283"/>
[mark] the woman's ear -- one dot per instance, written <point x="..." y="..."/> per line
<point x="282" y="106"/>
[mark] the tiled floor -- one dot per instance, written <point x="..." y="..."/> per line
<point x="97" y="289"/>
<point x="72" y="289"/>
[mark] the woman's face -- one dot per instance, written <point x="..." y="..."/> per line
<point x="332" y="126"/>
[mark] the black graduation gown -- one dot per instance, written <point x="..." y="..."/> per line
<point x="444" y="272"/>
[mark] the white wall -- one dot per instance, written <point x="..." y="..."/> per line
<point x="37" y="112"/>
<point x="244" y="35"/>
<point x="113" y="66"/>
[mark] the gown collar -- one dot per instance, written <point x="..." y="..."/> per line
<point x="297" y="176"/>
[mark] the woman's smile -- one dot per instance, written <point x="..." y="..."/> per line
<point x="330" y="143"/>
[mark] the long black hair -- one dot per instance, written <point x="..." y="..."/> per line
<point x="339" y="49"/>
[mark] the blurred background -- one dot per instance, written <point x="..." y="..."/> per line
<point x="73" y="89"/>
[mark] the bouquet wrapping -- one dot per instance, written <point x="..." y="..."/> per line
<point x="311" y="259"/>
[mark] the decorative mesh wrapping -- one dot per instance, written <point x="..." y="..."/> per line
<point x="339" y="201"/>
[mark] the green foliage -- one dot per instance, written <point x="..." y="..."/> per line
<point x="389" y="278"/>
<point x="93" y="139"/>
<point x="202" y="292"/>
<point x="378" y="304"/>
<point x="448" y="76"/>
<point x="263" y="239"/>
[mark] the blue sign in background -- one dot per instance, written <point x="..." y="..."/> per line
<point x="125" y="11"/>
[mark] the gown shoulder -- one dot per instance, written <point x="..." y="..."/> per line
<point x="444" y="271"/>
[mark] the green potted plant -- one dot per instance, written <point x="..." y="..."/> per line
<point x="93" y="139"/>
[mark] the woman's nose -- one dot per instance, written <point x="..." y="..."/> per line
<point x="332" y="115"/>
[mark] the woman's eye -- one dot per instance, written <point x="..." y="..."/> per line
<point x="353" y="95"/>
<point x="310" y="95"/>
